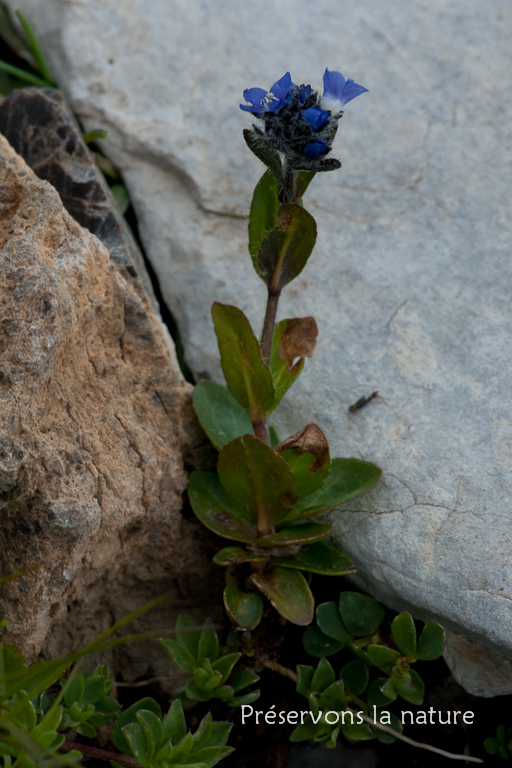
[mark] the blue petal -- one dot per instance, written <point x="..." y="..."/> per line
<point x="315" y="117"/>
<point x="315" y="148"/>
<point x="255" y="95"/>
<point x="305" y="92"/>
<point x="282" y="87"/>
<point x="338" y="91"/>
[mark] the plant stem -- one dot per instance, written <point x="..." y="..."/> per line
<point x="276" y="667"/>
<point x="269" y="323"/>
<point x="101" y="754"/>
<point x="418" y="744"/>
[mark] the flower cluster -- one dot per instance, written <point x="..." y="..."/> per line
<point x="298" y="122"/>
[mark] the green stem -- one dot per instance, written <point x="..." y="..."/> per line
<point x="269" y="323"/>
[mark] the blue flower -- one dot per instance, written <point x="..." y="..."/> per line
<point x="338" y="91"/>
<point x="315" y="117"/>
<point x="272" y="101"/>
<point x="316" y="148"/>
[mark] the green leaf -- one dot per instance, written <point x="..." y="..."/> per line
<point x="286" y="249"/>
<point x="121" y="196"/>
<point x="329" y="620"/>
<point x="289" y="593"/>
<point x="317" y="644"/>
<point x="188" y="634"/>
<point x="347" y="480"/>
<point x="181" y="657"/>
<point x="23" y="74"/>
<point x="355" y="676"/>
<point x="36" y="49"/>
<point x="258" y="481"/>
<point x="245" y="609"/>
<point x="12" y="668"/>
<point x="318" y="558"/>
<point x="361" y="614"/>
<point x="91" y="136"/>
<point x="302" y="182"/>
<point x="384" y="658"/>
<point x="357" y="732"/>
<point x="220" y="415"/>
<point x="304" y="677"/>
<point x="248" y="378"/>
<point x="403" y="633"/>
<point x="294" y="339"/>
<point x="490" y="746"/>
<point x="409" y="685"/>
<point x="74" y="691"/>
<point x="333" y="697"/>
<point x="263" y="215"/>
<point x="302" y="533"/>
<point x="216" y="510"/>
<point x="431" y="642"/>
<point x="267" y="156"/>
<point x="236" y="556"/>
<point x="395" y="724"/>
<point x="376" y="696"/>
<point x="208" y="643"/>
<point x="243" y="679"/>
<point x="323" y="677"/>
<point x="153" y="731"/>
<point x="274" y="437"/>
<point x="135" y="741"/>
<point x="175" y="727"/>
<point x="128" y="718"/>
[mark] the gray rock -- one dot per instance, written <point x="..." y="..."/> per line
<point x="411" y="278"/>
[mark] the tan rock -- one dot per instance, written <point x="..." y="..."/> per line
<point x="95" y="421"/>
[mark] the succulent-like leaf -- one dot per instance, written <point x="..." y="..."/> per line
<point x="289" y="593"/>
<point x="357" y="732"/>
<point x="355" y="676"/>
<point x="129" y="718"/>
<point x="318" y="558"/>
<point x="361" y="614"/>
<point x="431" y="642"/>
<point x="208" y="647"/>
<point x="216" y="510"/>
<point x="347" y="480"/>
<point x="408" y="684"/>
<point x="220" y="415"/>
<point x="188" y="633"/>
<point x="244" y="609"/>
<point x="258" y="481"/>
<point x="384" y="658"/>
<point x="317" y="644"/>
<point x="263" y="214"/>
<point x="294" y="339"/>
<point x="394" y="723"/>
<point x="286" y="249"/>
<point x="403" y="633"/>
<point x="333" y="697"/>
<point x="179" y="654"/>
<point x="323" y="676"/>
<point x="329" y="621"/>
<point x="378" y="695"/>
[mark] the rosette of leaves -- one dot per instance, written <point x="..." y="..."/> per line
<point x="162" y="741"/>
<point x="330" y="700"/>
<point x="353" y="623"/>
<point x="196" y="652"/>
<point x="87" y="703"/>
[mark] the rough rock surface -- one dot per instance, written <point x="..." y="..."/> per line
<point x="95" y="424"/>
<point x="411" y="279"/>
